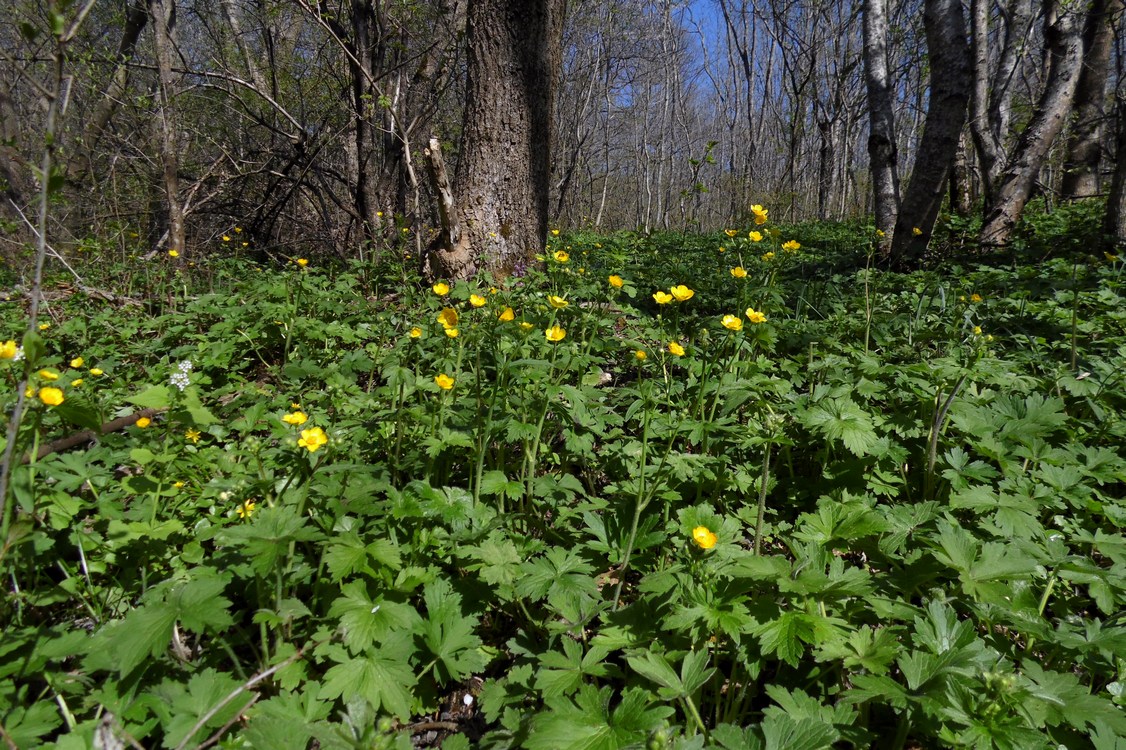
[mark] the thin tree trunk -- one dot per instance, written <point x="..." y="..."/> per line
<point x="135" y="19"/>
<point x="163" y="18"/>
<point x="882" y="151"/>
<point x="1114" y="221"/>
<point x="1063" y="35"/>
<point x="949" y="54"/>
<point x="1084" y="150"/>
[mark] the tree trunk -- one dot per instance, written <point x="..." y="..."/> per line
<point x="1114" y="222"/>
<point x="1084" y="151"/>
<point x="949" y="54"/>
<point x="961" y="200"/>
<point x="503" y="178"/>
<point x="1063" y="36"/>
<point x="135" y="19"/>
<point x="882" y="150"/>
<point x="163" y="20"/>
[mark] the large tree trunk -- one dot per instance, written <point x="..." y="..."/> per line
<point x="882" y="150"/>
<point x="949" y="54"/>
<point x="503" y="177"/>
<point x="1084" y="149"/>
<point x="163" y="18"/>
<point x="1063" y="34"/>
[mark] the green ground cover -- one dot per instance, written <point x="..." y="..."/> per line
<point x="672" y="491"/>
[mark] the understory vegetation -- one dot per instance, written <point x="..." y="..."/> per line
<point x="740" y="490"/>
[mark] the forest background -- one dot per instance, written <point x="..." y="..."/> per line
<point x="306" y="125"/>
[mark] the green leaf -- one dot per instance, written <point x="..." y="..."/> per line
<point x="153" y="397"/>
<point x="204" y="691"/>
<point x="448" y="633"/>
<point x="842" y="419"/>
<point x="382" y="679"/>
<point x="79" y="410"/>
<point x="785" y="733"/>
<point x="589" y="724"/>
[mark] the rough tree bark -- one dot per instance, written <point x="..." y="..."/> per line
<point x="503" y="173"/>
<point x="1084" y="148"/>
<point x="882" y="149"/>
<point x="1063" y="25"/>
<point x="949" y="53"/>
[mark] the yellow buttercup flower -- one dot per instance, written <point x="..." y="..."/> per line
<point x="555" y="333"/>
<point x="507" y="315"/>
<point x="49" y="375"/>
<point x="760" y="214"/>
<point x="682" y="293"/>
<point x="977" y="330"/>
<point x="452" y="333"/>
<point x="975" y="297"/>
<point x="555" y="232"/>
<point x="730" y="232"/>
<point x="754" y="236"/>
<point x="296" y="418"/>
<point x="444" y="381"/>
<point x="173" y="253"/>
<point x="792" y="246"/>
<point x="51" y="396"/>
<point x="143" y="422"/>
<point x="448" y="317"/>
<point x="95" y="371"/>
<point x="704" y="537"/>
<point x="29" y="392"/>
<point x="916" y="231"/>
<point x="76" y="382"/>
<point x="722" y="249"/>
<point x="302" y="262"/>
<point x="557" y="302"/>
<point x="662" y="298"/>
<point x="313" y="439"/>
<point x="246" y="509"/>
<point x="739" y="272"/>
<point x="616" y="281"/>
<point x="561" y="256"/>
<point x="441" y="289"/>
<point x="640" y="355"/>
<point x="676" y="348"/>
<point x="416" y="332"/>
<point x="8" y="349"/>
<point x="880" y="233"/>
<point x="77" y="362"/>
<point x="768" y="256"/>
<point x="238" y="230"/>
<point x="226" y="238"/>
<point x="733" y="322"/>
<point x="1111" y="257"/>
<point x="44" y="326"/>
<point x="192" y="435"/>
<point x="755" y="316"/>
<point x="476" y="300"/>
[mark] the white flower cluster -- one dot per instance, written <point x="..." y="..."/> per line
<point x="180" y="377"/>
<point x="18" y="355"/>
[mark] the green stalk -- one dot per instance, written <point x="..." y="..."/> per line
<point x="639" y="505"/>
<point x="762" y="500"/>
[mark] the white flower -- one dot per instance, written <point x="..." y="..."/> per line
<point x="185" y="366"/>
<point x="179" y="379"/>
<point x="18" y="355"/>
